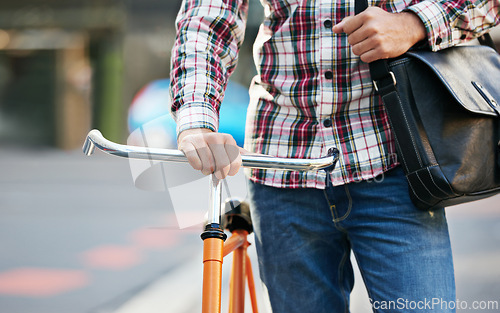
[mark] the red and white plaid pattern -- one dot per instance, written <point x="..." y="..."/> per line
<point x="311" y="93"/>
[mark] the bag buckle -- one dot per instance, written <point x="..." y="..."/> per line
<point x="487" y="97"/>
<point x="393" y="81"/>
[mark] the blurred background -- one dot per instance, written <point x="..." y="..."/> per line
<point x="66" y="66"/>
<point x="76" y="235"/>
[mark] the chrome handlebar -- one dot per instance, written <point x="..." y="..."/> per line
<point x="96" y="140"/>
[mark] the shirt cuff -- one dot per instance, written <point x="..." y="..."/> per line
<point x="435" y="19"/>
<point x="196" y="115"/>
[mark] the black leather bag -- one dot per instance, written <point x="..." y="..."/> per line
<point x="444" y="110"/>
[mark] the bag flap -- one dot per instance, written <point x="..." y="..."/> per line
<point x="471" y="74"/>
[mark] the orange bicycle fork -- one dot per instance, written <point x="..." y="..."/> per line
<point x="214" y="251"/>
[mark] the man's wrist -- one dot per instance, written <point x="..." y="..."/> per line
<point x="417" y="30"/>
<point x="192" y="131"/>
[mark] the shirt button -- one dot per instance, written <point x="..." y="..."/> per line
<point x="328" y="23"/>
<point x="328" y="74"/>
<point x="327" y="122"/>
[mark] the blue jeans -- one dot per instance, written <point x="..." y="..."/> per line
<point x="304" y="238"/>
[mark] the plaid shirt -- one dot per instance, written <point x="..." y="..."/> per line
<point x="311" y="92"/>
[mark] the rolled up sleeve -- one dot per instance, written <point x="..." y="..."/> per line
<point x="449" y="23"/>
<point x="209" y="35"/>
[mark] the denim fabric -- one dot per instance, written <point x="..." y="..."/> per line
<point x="304" y="238"/>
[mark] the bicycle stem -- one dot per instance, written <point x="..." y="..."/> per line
<point x="213" y="227"/>
<point x="214" y="210"/>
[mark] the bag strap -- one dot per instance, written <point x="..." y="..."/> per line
<point x="486" y="40"/>
<point x="384" y="83"/>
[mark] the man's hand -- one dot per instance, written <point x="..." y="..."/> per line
<point x="210" y="152"/>
<point x="376" y="34"/>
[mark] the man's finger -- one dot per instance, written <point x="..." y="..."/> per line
<point x="348" y="25"/>
<point x="204" y="154"/>
<point x="222" y="163"/>
<point x="190" y="152"/>
<point x="372" y="55"/>
<point x="207" y="159"/>
<point x="234" y="155"/>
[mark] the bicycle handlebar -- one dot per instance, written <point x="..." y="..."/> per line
<point x="96" y="140"/>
